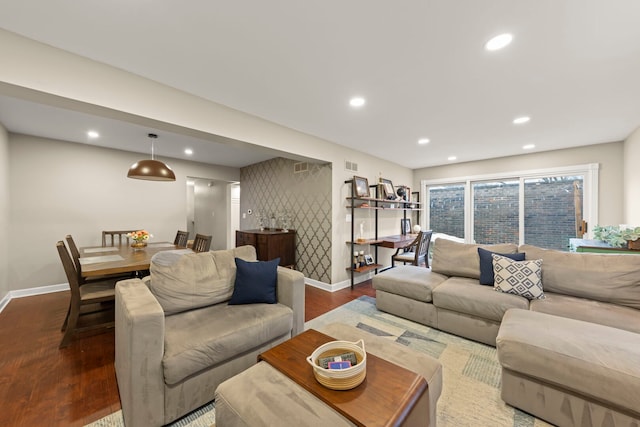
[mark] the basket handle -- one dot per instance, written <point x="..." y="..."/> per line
<point x="310" y="361"/>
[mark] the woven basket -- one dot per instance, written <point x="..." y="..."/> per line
<point x="340" y="379"/>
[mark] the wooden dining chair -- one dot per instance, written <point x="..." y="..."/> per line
<point x="182" y="237"/>
<point x="91" y="306"/>
<point x="415" y="253"/>
<point x="116" y="237"/>
<point x="201" y="243"/>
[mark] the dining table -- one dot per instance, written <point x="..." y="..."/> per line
<point x="107" y="260"/>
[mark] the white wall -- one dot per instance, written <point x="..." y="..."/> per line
<point x="608" y="156"/>
<point x="59" y="188"/>
<point x="632" y="179"/>
<point x="4" y="212"/>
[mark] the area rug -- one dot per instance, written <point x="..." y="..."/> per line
<point x="201" y="417"/>
<point x="471" y="372"/>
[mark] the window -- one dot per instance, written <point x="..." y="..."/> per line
<point x="545" y="208"/>
<point x="553" y="210"/>
<point x="496" y="212"/>
<point x="446" y="209"/>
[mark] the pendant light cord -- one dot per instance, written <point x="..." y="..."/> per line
<point x="153" y="136"/>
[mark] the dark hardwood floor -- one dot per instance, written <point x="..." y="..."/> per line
<point x="41" y="385"/>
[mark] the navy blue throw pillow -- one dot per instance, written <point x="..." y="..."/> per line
<point x="255" y="282"/>
<point x="486" y="264"/>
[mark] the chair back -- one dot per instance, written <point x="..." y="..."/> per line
<point x="422" y="249"/>
<point x="75" y="253"/>
<point x="181" y="238"/>
<point x="69" y="270"/>
<point x="201" y="243"/>
<point x="116" y="237"/>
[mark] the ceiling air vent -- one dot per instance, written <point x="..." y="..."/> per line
<point x="350" y="166"/>
<point x="300" y="167"/>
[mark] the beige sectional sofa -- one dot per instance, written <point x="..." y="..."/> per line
<point x="547" y="347"/>
<point x="178" y="338"/>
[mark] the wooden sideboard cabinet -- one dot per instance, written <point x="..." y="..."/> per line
<point x="270" y="244"/>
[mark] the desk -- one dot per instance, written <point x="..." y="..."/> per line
<point x="101" y="261"/>
<point x="396" y="241"/>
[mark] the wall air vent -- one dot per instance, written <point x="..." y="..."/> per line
<point x="350" y="166"/>
<point x="300" y="167"/>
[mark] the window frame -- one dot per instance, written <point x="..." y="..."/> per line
<point x="590" y="173"/>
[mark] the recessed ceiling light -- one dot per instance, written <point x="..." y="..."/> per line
<point x="357" y="101"/>
<point x="423" y="141"/>
<point x="451" y="158"/>
<point x="528" y="146"/>
<point x="188" y="151"/>
<point x="498" y="42"/>
<point x="521" y="120"/>
<point x="93" y="134"/>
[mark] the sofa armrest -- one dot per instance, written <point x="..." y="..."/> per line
<point x="139" y="343"/>
<point x="291" y="294"/>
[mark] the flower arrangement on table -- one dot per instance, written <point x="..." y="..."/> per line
<point x="140" y="238"/>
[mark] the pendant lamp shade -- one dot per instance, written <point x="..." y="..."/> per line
<point x="151" y="170"/>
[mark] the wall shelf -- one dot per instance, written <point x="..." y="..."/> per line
<point x="375" y="204"/>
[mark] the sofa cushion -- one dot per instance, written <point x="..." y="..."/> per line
<point x="183" y="282"/>
<point x="461" y="259"/>
<point x="604" y="313"/>
<point x="613" y="278"/>
<point x="588" y="359"/>
<point x="464" y="295"/>
<point x="486" y="264"/>
<point x="522" y="278"/>
<point x="255" y="282"/>
<point x="409" y="281"/>
<point x="201" y="339"/>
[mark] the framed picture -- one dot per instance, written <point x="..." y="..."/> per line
<point x="361" y="186"/>
<point x="387" y="189"/>
<point x="368" y="259"/>
<point x="405" y="226"/>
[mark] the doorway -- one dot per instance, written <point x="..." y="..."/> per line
<point x="210" y="210"/>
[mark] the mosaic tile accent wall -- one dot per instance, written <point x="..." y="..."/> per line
<point x="272" y="187"/>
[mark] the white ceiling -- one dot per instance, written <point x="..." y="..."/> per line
<point x="573" y="67"/>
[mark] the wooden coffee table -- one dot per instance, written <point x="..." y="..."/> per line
<point x="385" y="398"/>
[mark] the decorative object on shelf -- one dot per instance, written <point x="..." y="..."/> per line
<point x="387" y="189"/>
<point x="285" y="220"/>
<point x="272" y="221"/>
<point x="404" y="193"/>
<point x="356" y="262"/>
<point x="622" y="236"/>
<point x="261" y="217"/>
<point x="361" y="259"/>
<point x="151" y="170"/>
<point x="368" y="259"/>
<point x="361" y="237"/>
<point x="361" y="186"/>
<point x="139" y="238"/>
<point x="405" y="226"/>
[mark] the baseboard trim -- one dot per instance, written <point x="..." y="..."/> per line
<point x="41" y="290"/>
<point x="335" y="286"/>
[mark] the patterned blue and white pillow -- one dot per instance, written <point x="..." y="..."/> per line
<point x="522" y="278"/>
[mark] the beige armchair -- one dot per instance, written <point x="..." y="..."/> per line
<point x="177" y="337"/>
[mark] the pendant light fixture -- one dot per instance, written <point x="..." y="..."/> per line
<point x="151" y="170"/>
